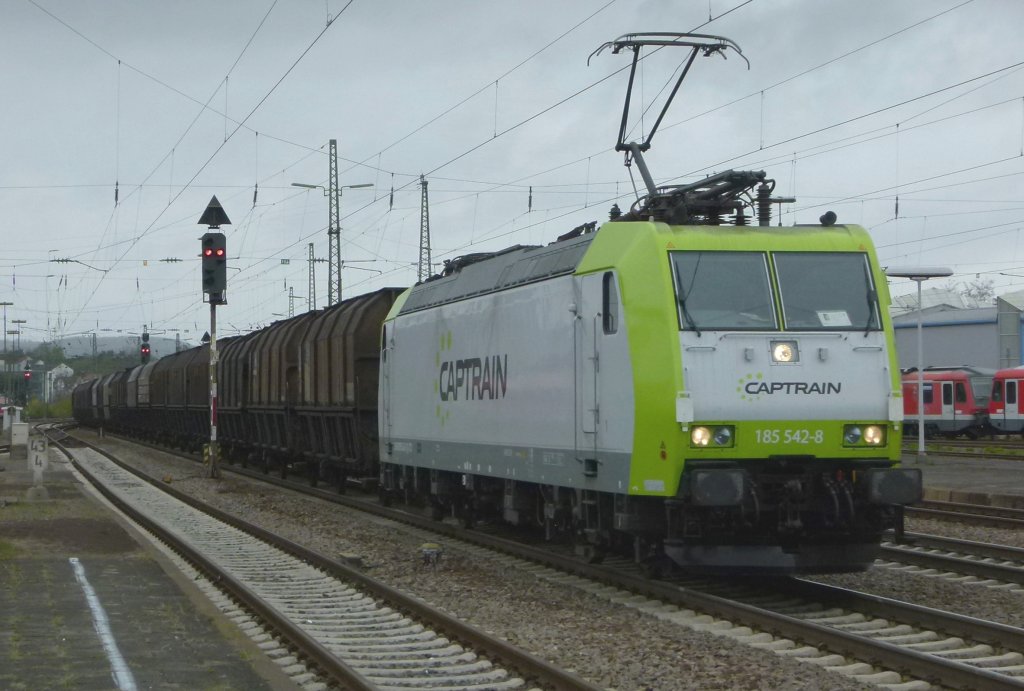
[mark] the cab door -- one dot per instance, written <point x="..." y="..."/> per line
<point x="948" y="408"/>
<point x="601" y="396"/>
<point x="588" y="364"/>
<point x="1011" y="408"/>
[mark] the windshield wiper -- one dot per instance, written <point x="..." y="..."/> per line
<point x="872" y="301"/>
<point x="686" y="314"/>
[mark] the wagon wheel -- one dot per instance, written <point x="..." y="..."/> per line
<point x="436" y="511"/>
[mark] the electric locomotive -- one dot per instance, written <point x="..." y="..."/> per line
<point x="714" y="396"/>
<point x="678" y="385"/>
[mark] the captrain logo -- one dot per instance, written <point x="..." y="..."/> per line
<point x="753" y="386"/>
<point x="467" y="379"/>
<point x="747" y="379"/>
<point x="441" y="412"/>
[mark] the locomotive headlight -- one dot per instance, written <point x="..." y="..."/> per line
<point x="702" y="436"/>
<point x="863" y="435"/>
<point x="785" y="351"/>
<point x="852" y="435"/>
<point x="874" y="435"/>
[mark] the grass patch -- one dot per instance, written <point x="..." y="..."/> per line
<point x="7" y="550"/>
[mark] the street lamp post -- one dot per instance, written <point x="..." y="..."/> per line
<point x="919" y="275"/>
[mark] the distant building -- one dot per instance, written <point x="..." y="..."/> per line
<point x="947" y="298"/>
<point x="957" y="335"/>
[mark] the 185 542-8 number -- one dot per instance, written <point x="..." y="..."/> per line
<point x="800" y="436"/>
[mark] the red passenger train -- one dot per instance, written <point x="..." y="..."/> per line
<point x="1005" y="408"/>
<point x="956" y="400"/>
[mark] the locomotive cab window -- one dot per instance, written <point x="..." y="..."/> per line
<point x="610" y="304"/>
<point x="827" y="291"/>
<point x="723" y="290"/>
<point x="961" y="392"/>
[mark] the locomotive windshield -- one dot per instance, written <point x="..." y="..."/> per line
<point x="818" y="291"/>
<point x="723" y="290"/>
<point x="827" y="291"/>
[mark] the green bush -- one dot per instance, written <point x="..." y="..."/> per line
<point x="37" y="410"/>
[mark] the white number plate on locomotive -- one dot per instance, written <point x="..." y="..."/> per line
<point x="789" y="436"/>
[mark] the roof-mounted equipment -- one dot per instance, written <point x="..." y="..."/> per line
<point x="701" y="203"/>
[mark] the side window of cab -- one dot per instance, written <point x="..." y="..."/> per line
<point x="610" y="304"/>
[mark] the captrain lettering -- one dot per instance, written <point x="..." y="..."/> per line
<point x="474" y="379"/>
<point x="793" y="387"/>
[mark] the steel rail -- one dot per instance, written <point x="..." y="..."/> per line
<point x="947" y="511"/>
<point x="529" y="665"/>
<point x="982" y="509"/>
<point x="951" y="544"/>
<point x="326" y="662"/>
<point x="935" y="669"/>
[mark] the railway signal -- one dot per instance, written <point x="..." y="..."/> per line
<point x="144" y="348"/>
<point x="215" y="282"/>
<point x="215" y="270"/>
<point x="28" y="373"/>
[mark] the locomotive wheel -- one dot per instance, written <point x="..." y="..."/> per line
<point x="467" y="517"/>
<point x="655" y="567"/>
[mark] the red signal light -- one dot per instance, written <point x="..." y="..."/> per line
<point x="220" y="251"/>
<point x="28" y="375"/>
<point x="207" y="252"/>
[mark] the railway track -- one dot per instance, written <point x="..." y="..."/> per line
<point x="992" y="516"/>
<point x="873" y="639"/>
<point x="956" y="559"/>
<point x="334" y="616"/>
<point x="996" y="449"/>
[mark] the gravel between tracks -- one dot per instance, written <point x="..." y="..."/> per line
<point x="975" y="600"/>
<point x="610" y="645"/>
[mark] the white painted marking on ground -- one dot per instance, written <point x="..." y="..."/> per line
<point x="122" y="675"/>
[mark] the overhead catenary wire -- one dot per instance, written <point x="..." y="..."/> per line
<point x="475" y="193"/>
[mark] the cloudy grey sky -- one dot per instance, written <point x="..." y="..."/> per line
<point x="847" y="105"/>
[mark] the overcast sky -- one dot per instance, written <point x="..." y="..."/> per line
<point x="847" y="105"/>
